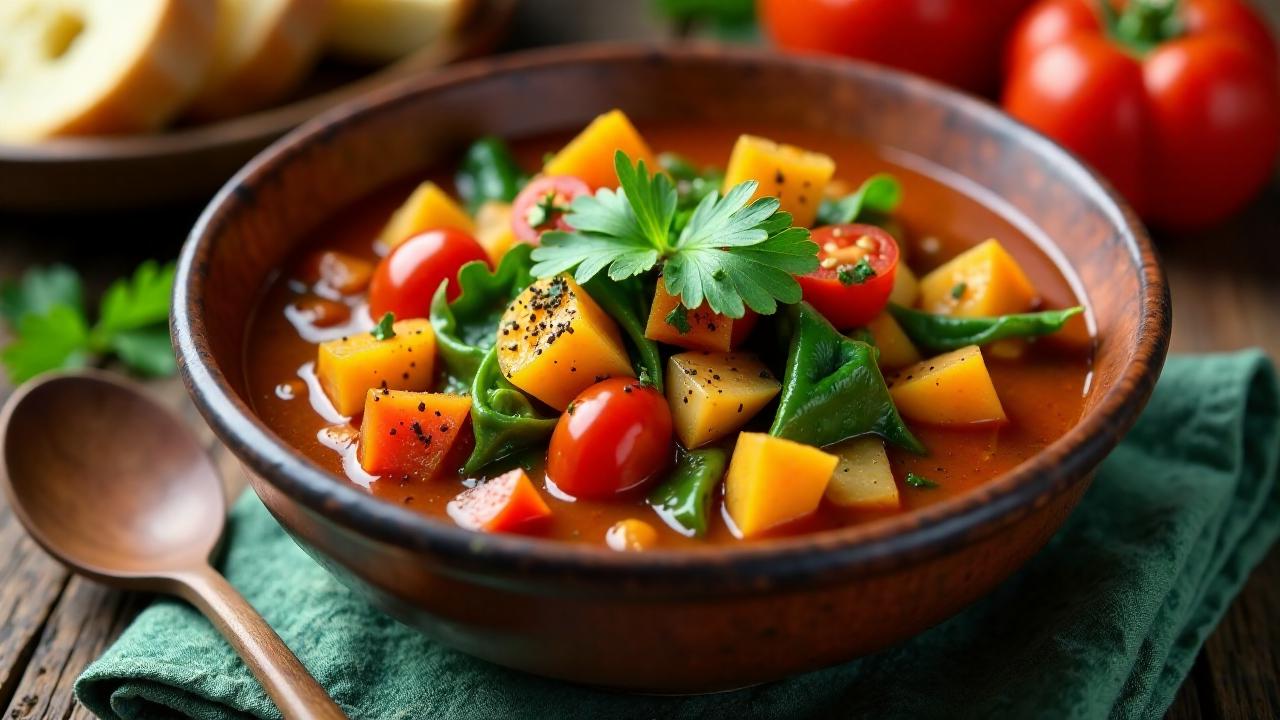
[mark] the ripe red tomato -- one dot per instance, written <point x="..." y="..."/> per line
<point x="615" y="435"/>
<point x="955" y="41"/>
<point x="1185" y="125"/>
<point x="846" y="290"/>
<point x="541" y="206"/>
<point x="408" y="277"/>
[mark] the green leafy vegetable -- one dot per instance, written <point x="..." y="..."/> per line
<point x="879" y="193"/>
<point x="385" y="329"/>
<point x="832" y="389"/>
<point x="678" y="318"/>
<point x="503" y="419"/>
<point x="47" y="310"/>
<point x="730" y="254"/>
<point x="939" y="333"/>
<point x="467" y="327"/>
<point x="920" y="481"/>
<point x="683" y="500"/>
<point x="488" y="172"/>
<point x="627" y="302"/>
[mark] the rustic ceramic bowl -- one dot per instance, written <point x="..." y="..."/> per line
<point x="705" y="619"/>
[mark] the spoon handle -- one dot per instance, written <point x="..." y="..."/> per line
<point x="283" y="676"/>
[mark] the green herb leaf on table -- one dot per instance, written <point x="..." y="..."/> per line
<point x="879" y="193"/>
<point x="39" y="290"/>
<point x="134" y="303"/>
<point x="939" y="333"/>
<point x="385" y="329"/>
<point x="920" y="481"/>
<point x="57" y="339"/>
<point x="730" y="254"/>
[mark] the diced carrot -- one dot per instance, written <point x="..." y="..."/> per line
<point x="706" y="330"/>
<point x="507" y="503"/>
<point x="410" y="433"/>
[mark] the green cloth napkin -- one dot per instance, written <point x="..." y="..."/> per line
<point x="1106" y="621"/>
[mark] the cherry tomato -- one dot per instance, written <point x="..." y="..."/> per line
<point x="1185" y="125"/>
<point x="613" y="437"/>
<point x="857" y="266"/>
<point x="408" y="277"/>
<point x="955" y="41"/>
<point x="542" y="204"/>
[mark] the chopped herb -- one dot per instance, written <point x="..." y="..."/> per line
<point x="384" y="330"/>
<point x="731" y="254"/>
<point x="957" y="290"/>
<point x="678" y="318"/>
<point x="545" y="210"/>
<point x="856" y="274"/>
<point x="920" y="481"/>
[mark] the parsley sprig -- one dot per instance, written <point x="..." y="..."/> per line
<point x="732" y="253"/>
<point x="46" y="311"/>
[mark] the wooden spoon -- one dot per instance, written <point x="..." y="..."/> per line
<point x="117" y="488"/>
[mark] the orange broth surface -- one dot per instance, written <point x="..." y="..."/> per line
<point x="1042" y="392"/>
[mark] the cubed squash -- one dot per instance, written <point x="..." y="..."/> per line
<point x="896" y="349"/>
<point x="407" y="433"/>
<point x="863" y="479"/>
<point x="554" y="341"/>
<point x="706" y="330"/>
<point x="493" y="229"/>
<point x="348" y="367"/>
<point x="906" y="287"/>
<point x="772" y="481"/>
<point x="589" y="156"/>
<point x="982" y="281"/>
<point x="714" y="394"/>
<point x="427" y="208"/>
<point x="507" y="503"/>
<point x="951" y="389"/>
<point x="795" y="176"/>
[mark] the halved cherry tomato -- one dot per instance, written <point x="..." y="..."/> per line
<point x="613" y="437"/>
<point x="542" y="204"/>
<point x="857" y="264"/>
<point x="407" y="278"/>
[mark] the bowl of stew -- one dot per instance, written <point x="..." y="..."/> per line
<point x="669" y="370"/>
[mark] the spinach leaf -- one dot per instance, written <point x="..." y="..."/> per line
<point x="832" y="389"/>
<point x="468" y="326"/>
<point x="503" y="419"/>
<point x="939" y="333"/>
<point x="627" y="302"/>
<point x="879" y="193"/>
<point x="683" y="500"/>
<point x="488" y="172"/>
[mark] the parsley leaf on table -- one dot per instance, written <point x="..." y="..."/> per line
<point x="46" y="311"/>
<point x="731" y="254"/>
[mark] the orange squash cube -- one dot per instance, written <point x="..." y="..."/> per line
<point x="410" y="433"/>
<point x="589" y="156"/>
<point x="797" y="177"/>
<point x="554" y="341"/>
<point x="896" y="349"/>
<point x="493" y="230"/>
<point x="772" y="481"/>
<point x="349" y="367"/>
<point x="708" y="330"/>
<point x="507" y="503"/>
<point x="982" y="281"/>
<point x="427" y="208"/>
<point x="951" y="389"/>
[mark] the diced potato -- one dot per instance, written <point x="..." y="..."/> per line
<point x="951" y="389"/>
<point x="896" y="349"/>
<point x="347" y="368"/>
<point x="714" y="394"/>
<point x="410" y="433"/>
<point x="707" y="330"/>
<point x="795" y="176"/>
<point x="906" y="288"/>
<point x="493" y="230"/>
<point x="631" y="535"/>
<point x="507" y="503"/>
<point x="863" y="478"/>
<point x="554" y="341"/>
<point x="983" y="281"/>
<point x="589" y="156"/>
<point x="427" y="208"/>
<point x="772" y="481"/>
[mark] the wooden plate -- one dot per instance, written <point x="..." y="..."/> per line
<point x="187" y="164"/>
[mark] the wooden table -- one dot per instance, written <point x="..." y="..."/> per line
<point x="1226" y="288"/>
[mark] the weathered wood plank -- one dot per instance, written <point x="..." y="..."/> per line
<point x="30" y="583"/>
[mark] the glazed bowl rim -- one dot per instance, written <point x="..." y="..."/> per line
<point x="876" y="546"/>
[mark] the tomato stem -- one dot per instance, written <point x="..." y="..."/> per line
<point x="1143" y="24"/>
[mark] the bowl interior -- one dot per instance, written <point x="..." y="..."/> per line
<point x="270" y="207"/>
